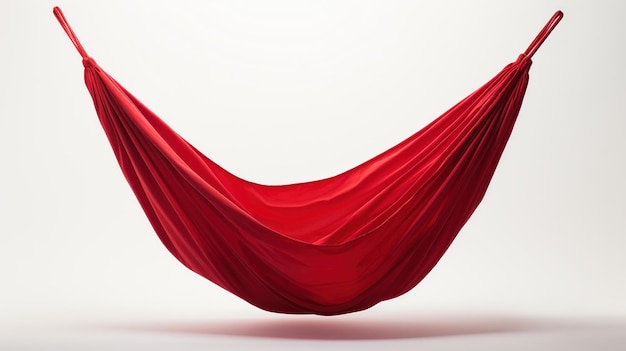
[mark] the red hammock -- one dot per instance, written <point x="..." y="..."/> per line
<point x="330" y="246"/>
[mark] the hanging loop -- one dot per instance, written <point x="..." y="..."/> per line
<point x="543" y="34"/>
<point x="70" y="33"/>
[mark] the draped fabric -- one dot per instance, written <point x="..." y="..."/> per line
<point x="330" y="246"/>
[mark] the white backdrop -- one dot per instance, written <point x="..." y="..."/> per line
<point x="287" y="91"/>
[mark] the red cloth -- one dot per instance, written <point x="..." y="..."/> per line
<point x="330" y="246"/>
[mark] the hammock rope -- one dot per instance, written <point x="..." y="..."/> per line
<point x="68" y="30"/>
<point x="330" y="246"/>
<point x="543" y="35"/>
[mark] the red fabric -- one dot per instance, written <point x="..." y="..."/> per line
<point x="330" y="246"/>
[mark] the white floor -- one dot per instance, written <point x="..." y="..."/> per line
<point x="272" y="332"/>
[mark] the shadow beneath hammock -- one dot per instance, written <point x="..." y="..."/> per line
<point x="324" y="328"/>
